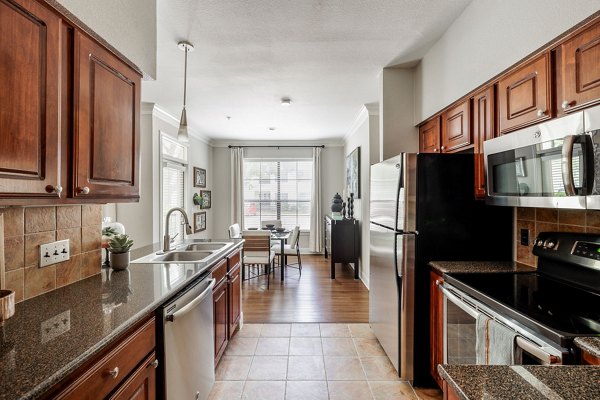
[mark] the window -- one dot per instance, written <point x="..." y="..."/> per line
<point x="173" y="174"/>
<point x="277" y="189"/>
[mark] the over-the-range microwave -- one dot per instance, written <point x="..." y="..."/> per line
<point x="553" y="165"/>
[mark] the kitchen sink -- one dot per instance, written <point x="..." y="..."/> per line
<point x="205" y="246"/>
<point x="175" y="257"/>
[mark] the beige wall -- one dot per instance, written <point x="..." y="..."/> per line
<point x="25" y="228"/>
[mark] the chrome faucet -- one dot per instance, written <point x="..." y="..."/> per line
<point x="167" y="238"/>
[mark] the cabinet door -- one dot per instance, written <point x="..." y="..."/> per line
<point x="483" y="129"/>
<point x="141" y="385"/>
<point x="107" y="135"/>
<point x="456" y="128"/>
<point x="588" y="359"/>
<point x="235" y="299"/>
<point x="524" y="96"/>
<point x="220" y="319"/>
<point x="29" y="100"/>
<point x="436" y="326"/>
<point x="429" y="136"/>
<point x="579" y="70"/>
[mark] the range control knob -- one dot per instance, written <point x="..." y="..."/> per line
<point x="549" y="244"/>
<point x="539" y="242"/>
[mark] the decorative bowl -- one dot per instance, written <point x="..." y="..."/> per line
<point x="269" y="226"/>
<point x="280" y="230"/>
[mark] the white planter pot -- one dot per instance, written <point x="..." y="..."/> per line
<point x="119" y="261"/>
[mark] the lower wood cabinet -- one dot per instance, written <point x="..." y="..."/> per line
<point x="449" y="393"/>
<point x="589" y="359"/>
<point x="127" y="370"/>
<point x="234" y="293"/>
<point x="436" y="326"/>
<point x="221" y="325"/>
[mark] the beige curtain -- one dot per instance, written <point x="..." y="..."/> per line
<point x="237" y="186"/>
<point x="315" y="240"/>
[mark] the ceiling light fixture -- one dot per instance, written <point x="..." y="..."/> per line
<point x="272" y="128"/>
<point x="182" y="134"/>
<point x="286" y="102"/>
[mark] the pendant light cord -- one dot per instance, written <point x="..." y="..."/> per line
<point x="185" y="76"/>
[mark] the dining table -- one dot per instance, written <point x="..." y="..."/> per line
<point x="282" y="237"/>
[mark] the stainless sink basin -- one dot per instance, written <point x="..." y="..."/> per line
<point x="204" y="246"/>
<point x="175" y="257"/>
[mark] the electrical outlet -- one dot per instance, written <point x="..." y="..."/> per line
<point x="56" y="326"/>
<point x="525" y="237"/>
<point x="55" y="252"/>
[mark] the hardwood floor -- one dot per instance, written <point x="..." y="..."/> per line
<point x="312" y="297"/>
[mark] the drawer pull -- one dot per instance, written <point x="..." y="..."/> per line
<point x="83" y="190"/>
<point x="114" y="372"/>
<point x="154" y="364"/>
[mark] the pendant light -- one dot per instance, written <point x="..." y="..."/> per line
<point x="182" y="134"/>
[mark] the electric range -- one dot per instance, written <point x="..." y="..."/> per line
<point x="559" y="302"/>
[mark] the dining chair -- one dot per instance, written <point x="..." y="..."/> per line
<point x="276" y="222"/>
<point x="257" y="251"/>
<point x="290" y="249"/>
<point x="235" y="232"/>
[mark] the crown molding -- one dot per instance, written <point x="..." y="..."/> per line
<point x="373" y="109"/>
<point x="157" y="111"/>
<point x="361" y="117"/>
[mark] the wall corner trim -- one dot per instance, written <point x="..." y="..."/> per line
<point x="157" y="111"/>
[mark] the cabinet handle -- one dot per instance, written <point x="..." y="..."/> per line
<point x="566" y="104"/>
<point x="154" y="364"/>
<point x="435" y="150"/>
<point x="83" y="190"/>
<point x="54" y="189"/>
<point x="114" y="372"/>
<point x="443" y="147"/>
<point x="541" y="113"/>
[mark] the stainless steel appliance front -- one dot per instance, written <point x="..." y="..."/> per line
<point x="460" y="316"/>
<point x="547" y="165"/>
<point x="189" y="343"/>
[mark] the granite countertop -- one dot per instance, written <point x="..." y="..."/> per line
<point x="503" y="382"/>
<point x="449" y="267"/>
<point x="93" y="312"/>
<point x="589" y="344"/>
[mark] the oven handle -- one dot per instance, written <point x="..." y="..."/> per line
<point x="527" y="345"/>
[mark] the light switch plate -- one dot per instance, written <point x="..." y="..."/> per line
<point x="55" y="252"/>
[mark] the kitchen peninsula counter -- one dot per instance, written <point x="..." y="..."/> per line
<point x="89" y="315"/>
<point x="456" y="267"/>
<point x="500" y="382"/>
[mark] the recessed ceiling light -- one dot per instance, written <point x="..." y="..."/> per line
<point x="272" y="128"/>
<point x="286" y="102"/>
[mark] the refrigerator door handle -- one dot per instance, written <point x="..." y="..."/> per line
<point x="405" y="268"/>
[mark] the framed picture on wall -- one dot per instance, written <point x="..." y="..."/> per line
<point x="206" y="199"/>
<point x="199" y="177"/>
<point x="199" y="221"/>
<point x="353" y="173"/>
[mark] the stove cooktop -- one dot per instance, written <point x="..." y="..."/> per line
<point x="543" y="304"/>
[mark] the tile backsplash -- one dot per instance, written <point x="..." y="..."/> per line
<point x="537" y="220"/>
<point x="25" y="228"/>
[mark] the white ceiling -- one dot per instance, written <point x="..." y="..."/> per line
<point x="325" y="55"/>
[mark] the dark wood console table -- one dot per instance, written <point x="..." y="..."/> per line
<point x="342" y="242"/>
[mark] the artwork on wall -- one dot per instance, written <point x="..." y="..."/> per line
<point x="199" y="177"/>
<point x="206" y="198"/>
<point x="353" y="173"/>
<point x="199" y="221"/>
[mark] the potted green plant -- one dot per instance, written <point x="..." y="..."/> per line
<point x="119" y="246"/>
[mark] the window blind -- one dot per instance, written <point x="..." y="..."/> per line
<point x="277" y="189"/>
<point x="174" y="157"/>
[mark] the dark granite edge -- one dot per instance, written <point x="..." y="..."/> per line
<point x="448" y="379"/>
<point x="449" y="267"/>
<point x="70" y="17"/>
<point x="589" y="345"/>
<point x="69" y="368"/>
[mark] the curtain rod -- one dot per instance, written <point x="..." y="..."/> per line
<point x="235" y="147"/>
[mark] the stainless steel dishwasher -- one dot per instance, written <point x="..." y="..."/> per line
<point x="187" y="345"/>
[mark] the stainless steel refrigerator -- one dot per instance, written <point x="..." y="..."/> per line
<point x="422" y="208"/>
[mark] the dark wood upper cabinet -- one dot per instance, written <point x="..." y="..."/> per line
<point x="484" y="128"/>
<point x="429" y="136"/>
<point x="106" y="136"/>
<point x="578" y="70"/>
<point x="524" y="95"/>
<point x="456" y="128"/>
<point x="29" y="104"/>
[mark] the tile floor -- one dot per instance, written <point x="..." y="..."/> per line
<point x="309" y="362"/>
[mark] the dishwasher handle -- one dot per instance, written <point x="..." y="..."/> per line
<point x="190" y="306"/>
